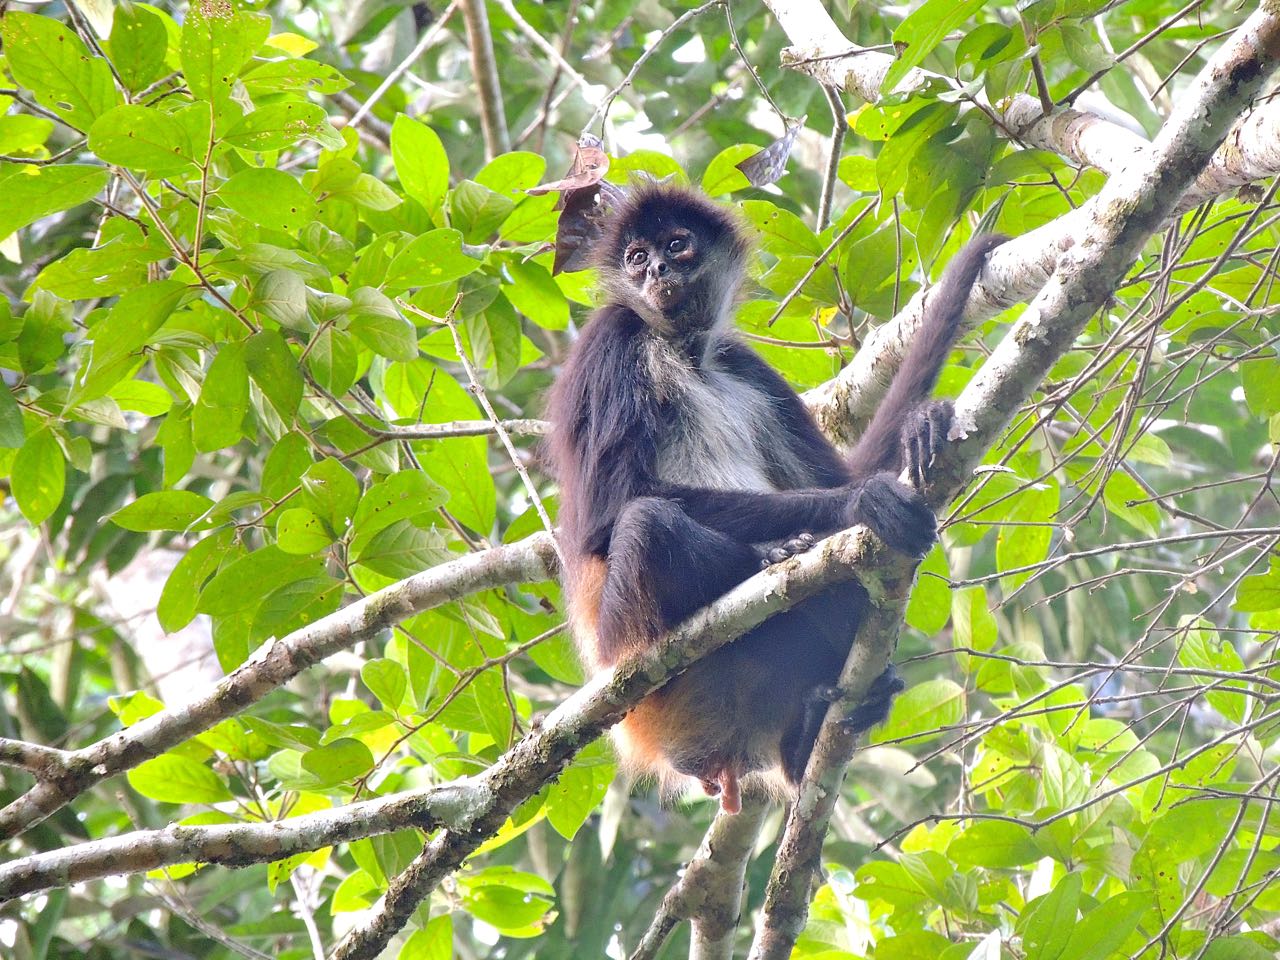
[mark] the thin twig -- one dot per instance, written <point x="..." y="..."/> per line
<point x="483" y="399"/>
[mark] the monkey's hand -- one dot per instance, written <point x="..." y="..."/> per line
<point x="896" y="513"/>
<point x="923" y="437"/>
<point x="778" y="550"/>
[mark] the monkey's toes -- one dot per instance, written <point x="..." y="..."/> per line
<point x="785" y="550"/>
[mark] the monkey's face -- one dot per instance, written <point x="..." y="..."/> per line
<point x="673" y="256"/>
<point x="661" y="267"/>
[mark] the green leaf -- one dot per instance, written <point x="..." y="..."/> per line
<point x="375" y="320"/>
<point x="301" y="532"/>
<point x="177" y="605"/>
<point x="1102" y="931"/>
<point x="722" y="174"/>
<point x="274" y="369"/>
<point x="218" y="416"/>
<point x="143" y="138"/>
<point x="47" y="57"/>
<point x="13" y="431"/>
<point x="294" y="606"/>
<point x="39" y="476"/>
<point x="278" y="126"/>
<point x="434" y="941"/>
<point x="435" y="257"/>
<point x="401" y="496"/>
<point x="338" y="762"/>
<point x="386" y="680"/>
<point x="495" y="337"/>
<point x="512" y="173"/>
<point x="535" y="294"/>
<point x="269" y="198"/>
<point x="506" y="898"/>
<point x="31" y="193"/>
<point x="137" y="45"/>
<point x="994" y="844"/>
<point x="1259" y="592"/>
<point x="477" y="211"/>
<point x="1202" y="647"/>
<point x="1026" y="542"/>
<point x="781" y="231"/>
<point x="975" y="627"/>
<point x="171" y="778"/>
<point x="575" y="795"/>
<point x="1047" y="921"/>
<point x="23" y="134"/>
<point x="421" y="163"/>
<point x="461" y="466"/>
<point x="922" y="710"/>
<point x="163" y="510"/>
<point x="921" y="31"/>
<point x="293" y="76"/>
<point x="216" y="41"/>
<point x="252" y="577"/>
<point x="282" y="296"/>
<point x="1121" y="490"/>
<point x="119" y="338"/>
<point x="929" y="606"/>
<point x="330" y="490"/>
<point x="402" y="549"/>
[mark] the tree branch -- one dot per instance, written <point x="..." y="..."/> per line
<point x="484" y="69"/>
<point x="709" y="893"/>
<point x="275" y="663"/>
<point x="1113" y="227"/>
<point x="544" y="752"/>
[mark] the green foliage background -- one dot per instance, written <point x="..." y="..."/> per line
<point x="219" y="294"/>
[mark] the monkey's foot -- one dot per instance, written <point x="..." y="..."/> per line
<point x="775" y="553"/>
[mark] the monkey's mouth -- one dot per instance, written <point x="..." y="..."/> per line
<point x="663" y="294"/>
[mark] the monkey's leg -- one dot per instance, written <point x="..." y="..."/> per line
<point x="797" y="743"/>
<point x="662" y="566"/>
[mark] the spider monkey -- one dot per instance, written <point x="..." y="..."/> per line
<point x="686" y="463"/>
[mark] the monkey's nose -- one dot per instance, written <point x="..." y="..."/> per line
<point x="657" y="268"/>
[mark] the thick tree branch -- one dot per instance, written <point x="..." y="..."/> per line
<point x="275" y="663"/>
<point x="1018" y="270"/>
<point x="1113" y="226"/>
<point x="709" y="893"/>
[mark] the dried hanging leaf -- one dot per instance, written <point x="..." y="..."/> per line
<point x="590" y="164"/>
<point x="768" y="166"/>
<point x="582" y="217"/>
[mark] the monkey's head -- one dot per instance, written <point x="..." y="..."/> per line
<point x="674" y="256"/>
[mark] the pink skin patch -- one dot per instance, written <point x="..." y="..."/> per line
<point x="726" y="787"/>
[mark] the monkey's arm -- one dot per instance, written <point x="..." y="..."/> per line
<point x="605" y="442"/>
<point x="894" y="512"/>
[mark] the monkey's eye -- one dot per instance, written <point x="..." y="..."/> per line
<point x="637" y="257"/>
<point x="677" y="245"/>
